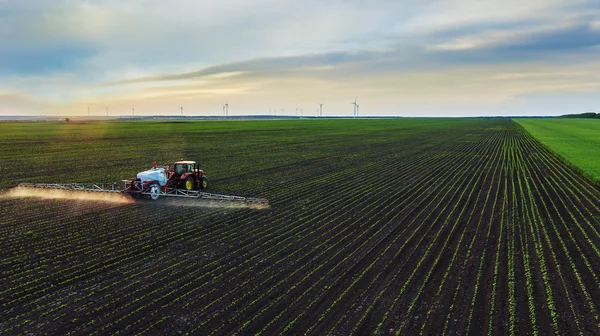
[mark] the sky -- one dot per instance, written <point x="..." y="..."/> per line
<point x="396" y="57"/>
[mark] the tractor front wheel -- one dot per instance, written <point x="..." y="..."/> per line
<point x="154" y="192"/>
<point x="203" y="182"/>
<point x="189" y="183"/>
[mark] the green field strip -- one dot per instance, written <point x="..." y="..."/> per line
<point x="575" y="141"/>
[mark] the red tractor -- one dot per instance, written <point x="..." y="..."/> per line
<point x="186" y="175"/>
<point x="184" y="179"/>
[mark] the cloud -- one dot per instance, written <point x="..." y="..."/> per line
<point x="558" y="44"/>
<point x="156" y="35"/>
<point x="274" y="65"/>
<point x="20" y="103"/>
<point x="455" y="16"/>
<point x="568" y="39"/>
<point x="74" y="51"/>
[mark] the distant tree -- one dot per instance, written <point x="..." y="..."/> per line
<point x="67" y="120"/>
<point x="586" y="115"/>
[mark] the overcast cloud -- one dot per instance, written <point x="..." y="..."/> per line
<point x="413" y="58"/>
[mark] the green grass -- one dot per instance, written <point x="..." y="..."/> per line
<point x="575" y="140"/>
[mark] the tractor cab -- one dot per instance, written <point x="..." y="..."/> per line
<point x="184" y="167"/>
<point x="187" y="175"/>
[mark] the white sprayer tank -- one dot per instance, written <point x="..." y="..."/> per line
<point x="154" y="174"/>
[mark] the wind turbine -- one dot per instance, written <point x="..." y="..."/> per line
<point x="301" y="111"/>
<point x="133" y="110"/>
<point x="88" y="111"/>
<point x="355" y="107"/>
<point x="226" y="108"/>
<point x="320" y="109"/>
<point x="181" y="108"/>
<point x="107" y="111"/>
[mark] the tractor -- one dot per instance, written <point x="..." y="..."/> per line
<point x="185" y="179"/>
<point x="186" y="175"/>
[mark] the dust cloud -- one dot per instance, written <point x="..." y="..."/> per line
<point x="214" y="204"/>
<point x="91" y="196"/>
<point x="118" y="198"/>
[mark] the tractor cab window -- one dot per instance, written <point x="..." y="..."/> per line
<point x="181" y="169"/>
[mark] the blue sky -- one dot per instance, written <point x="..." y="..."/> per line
<point x="410" y="58"/>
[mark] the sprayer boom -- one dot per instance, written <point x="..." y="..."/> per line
<point x="96" y="187"/>
<point x="151" y="192"/>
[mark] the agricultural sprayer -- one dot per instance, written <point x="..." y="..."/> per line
<point x="184" y="179"/>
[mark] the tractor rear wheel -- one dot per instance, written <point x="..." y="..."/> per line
<point x="189" y="183"/>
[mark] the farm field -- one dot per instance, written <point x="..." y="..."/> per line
<point x="408" y="226"/>
<point x="576" y="140"/>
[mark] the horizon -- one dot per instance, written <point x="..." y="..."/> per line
<point x="441" y="58"/>
<point x="199" y="117"/>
